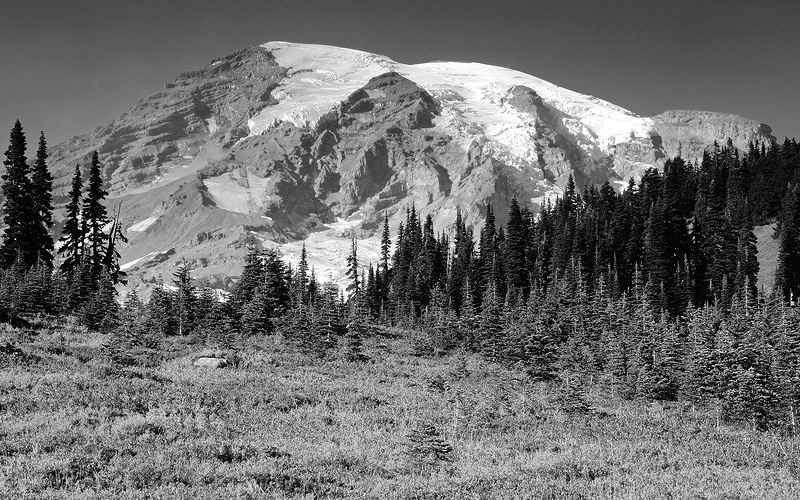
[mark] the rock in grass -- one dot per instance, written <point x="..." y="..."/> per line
<point x="208" y="362"/>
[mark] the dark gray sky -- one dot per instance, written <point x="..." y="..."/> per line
<point x="69" y="66"/>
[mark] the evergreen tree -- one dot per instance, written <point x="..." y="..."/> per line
<point x="787" y="275"/>
<point x="300" y="282"/>
<point x="276" y="284"/>
<point x="252" y="277"/>
<point x="183" y="301"/>
<point x="516" y="239"/>
<point x="354" y="286"/>
<point x="95" y="216"/>
<point x="19" y="212"/>
<point x="255" y="314"/>
<point x="101" y="312"/>
<point x="326" y="324"/>
<point x="42" y="195"/>
<point x="383" y="271"/>
<point x="357" y="331"/>
<point x="490" y="326"/>
<point x="72" y="234"/>
<point x="160" y="310"/>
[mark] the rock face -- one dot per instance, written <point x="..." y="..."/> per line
<point x="284" y="142"/>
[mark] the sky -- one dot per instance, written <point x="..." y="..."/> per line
<point x="68" y="67"/>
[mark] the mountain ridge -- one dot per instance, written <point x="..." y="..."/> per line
<point x="282" y="142"/>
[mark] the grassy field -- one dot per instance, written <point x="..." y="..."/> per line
<point x="278" y="424"/>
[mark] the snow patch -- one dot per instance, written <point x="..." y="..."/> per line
<point x="228" y="194"/>
<point x="142" y="225"/>
<point x="327" y="253"/>
<point x="212" y="125"/>
<point x="125" y="267"/>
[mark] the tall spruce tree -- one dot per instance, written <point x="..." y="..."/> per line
<point x="516" y="239"/>
<point x="354" y="285"/>
<point x="95" y="216"/>
<point x="383" y="273"/>
<point x="72" y="233"/>
<point x="42" y="194"/>
<point x="252" y="277"/>
<point x="19" y="211"/>
<point x="184" y="299"/>
<point x="787" y="275"/>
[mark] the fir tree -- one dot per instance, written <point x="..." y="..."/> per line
<point x="516" y="238"/>
<point x="72" y="234"/>
<point x="276" y="284"/>
<point x="252" y="277"/>
<point x="19" y="212"/>
<point x="95" y="216"/>
<point x="787" y="275"/>
<point x="356" y="332"/>
<point x="183" y="302"/>
<point x="160" y="310"/>
<point x="383" y="271"/>
<point x="255" y="314"/>
<point x="42" y="195"/>
<point x="300" y="282"/>
<point x="101" y="312"/>
<point x="354" y="286"/>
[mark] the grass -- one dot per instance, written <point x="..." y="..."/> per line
<point x="278" y="424"/>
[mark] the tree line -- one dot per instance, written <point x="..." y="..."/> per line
<point x="652" y="291"/>
<point x="29" y="281"/>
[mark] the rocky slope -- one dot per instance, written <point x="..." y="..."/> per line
<point x="288" y="142"/>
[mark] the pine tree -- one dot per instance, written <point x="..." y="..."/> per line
<point x="354" y="286"/>
<point x="490" y="326"/>
<point x="700" y="382"/>
<point x="300" y="281"/>
<point x="183" y="301"/>
<point x="101" y="311"/>
<point x="252" y="277"/>
<point x="326" y="324"/>
<point x="95" y="216"/>
<point x="516" y="239"/>
<point x="467" y="324"/>
<point x="34" y="290"/>
<point x="82" y="286"/>
<point x="42" y="195"/>
<point x="276" y="284"/>
<point x="384" y="271"/>
<point x="160" y="310"/>
<point x="356" y="331"/>
<point x="787" y="275"/>
<point x="19" y="212"/>
<point x="72" y="234"/>
<point x="255" y="314"/>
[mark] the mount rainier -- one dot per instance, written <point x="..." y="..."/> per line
<point x="284" y="143"/>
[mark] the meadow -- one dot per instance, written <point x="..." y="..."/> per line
<point x="277" y="423"/>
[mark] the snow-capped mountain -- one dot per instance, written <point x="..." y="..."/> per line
<point x="288" y="142"/>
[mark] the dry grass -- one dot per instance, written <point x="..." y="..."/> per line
<point x="281" y="425"/>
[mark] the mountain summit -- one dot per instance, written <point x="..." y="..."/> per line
<point x="286" y="142"/>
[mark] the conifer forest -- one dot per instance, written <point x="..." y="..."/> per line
<point x="647" y="296"/>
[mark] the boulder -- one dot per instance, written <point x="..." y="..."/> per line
<point x="207" y="362"/>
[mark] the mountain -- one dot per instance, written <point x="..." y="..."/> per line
<point x="287" y="142"/>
